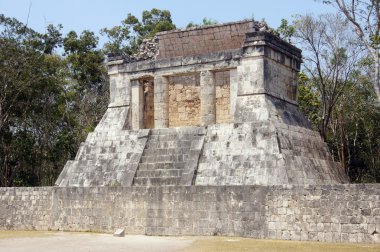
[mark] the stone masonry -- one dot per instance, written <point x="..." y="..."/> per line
<point x="203" y="136"/>
<point x="237" y="85"/>
<point x="325" y="213"/>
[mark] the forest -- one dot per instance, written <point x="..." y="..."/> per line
<point x="54" y="87"/>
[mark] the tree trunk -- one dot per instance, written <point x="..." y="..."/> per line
<point x="342" y="146"/>
<point x="376" y="82"/>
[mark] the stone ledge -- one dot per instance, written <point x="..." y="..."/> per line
<point x="163" y="64"/>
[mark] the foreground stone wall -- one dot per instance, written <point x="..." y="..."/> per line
<point x="339" y="213"/>
<point x="25" y="208"/>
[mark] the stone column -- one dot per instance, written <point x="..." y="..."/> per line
<point x="161" y="102"/>
<point x="233" y="92"/>
<point x="137" y="105"/>
<point x="117" y="116"/>
<point x="120" y="90"/>
<point x="250" y="100"/>
<point x="207" y="96"/>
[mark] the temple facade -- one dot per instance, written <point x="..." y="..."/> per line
<point x="215" y="105"/>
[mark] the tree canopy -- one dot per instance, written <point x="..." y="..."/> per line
<point x="364" y="16"/>
<point x="126" y="37"/>
<point x="336" y="92"/>
<point x="44" y="98"/>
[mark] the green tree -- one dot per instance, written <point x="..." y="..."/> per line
<point x="335" y="92"/>
<point x="309" y="99"/>
<point x="85" y="60"/>
<point x="330" y="59"/>
<point x="364" y="16"/>
<point x="32" y="80"/>
<point x="47" y="102"/>
<point x="205" y="22"/>
<point x="126" y="38"/>
<point x="152" y="22"/>
<point x="285" y="31"/>
<point x="121" y="39"/>
<point x="88" y="87"/>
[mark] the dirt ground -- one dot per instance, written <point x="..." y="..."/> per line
<point x="15" y="241"/>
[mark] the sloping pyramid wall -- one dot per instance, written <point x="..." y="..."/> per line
<point x="265" y="154"/>
<point x="278" y="150"/>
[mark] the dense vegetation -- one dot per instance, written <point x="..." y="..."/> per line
<point x="339" y="85"/>
<point x="50" y="101"/>
<point x="54" y="90"/>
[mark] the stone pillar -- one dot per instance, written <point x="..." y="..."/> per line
<point x="117" y="116"/>
<point x="137" y="105"/>
<point x="207" y="96"/>
<point x="120" y="90"/>
<point x="250" y="76"/>
<point x="161" y="102"/>
<point x="233" y="92"/>
<point x="250" y="99"/>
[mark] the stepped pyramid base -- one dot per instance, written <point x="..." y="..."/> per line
<point x="265" y="153"/>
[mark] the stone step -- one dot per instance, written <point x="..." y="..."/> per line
<point x="86" y="148"/>
<point x="171" y="135"/>
<point x="163" y="159"/>
<point x="163" y="181"/>
<point x="168" y="144"/>
<point x="164" y="151"/>
<point x="165" y="155"/>
<point x="158" y="173"/>
<point x="161" y="166"/>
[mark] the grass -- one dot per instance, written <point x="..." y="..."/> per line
<point x="24" y="234"/>
<point x="236" y="244"/>
<point x="220" y="244"/>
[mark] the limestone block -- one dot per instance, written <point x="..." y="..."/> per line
<point x="207" y="95"/>
<point x="136" y="105"/>
<point x="184" y="100"/>
<point x="116" y="118"/>
<point x="280" y="80"/>
<point x="250" y="76"/>
<point x="120" y="87"/>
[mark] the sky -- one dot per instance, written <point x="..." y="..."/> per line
<point x="94" y="15"/>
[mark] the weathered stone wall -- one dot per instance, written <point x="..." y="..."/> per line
<point x="280" y="81"/>
<point x="200" y="41"/>
<point x="262" y="108"/>
<point x="339" y="213"/>
<point x="26" y="208"/>
<point x="222" y="97"/>
<point x="265" y="154"/>
<point x="120" y="86"/>
<point x="184" y="100"/>
<point x="107" y="158"/>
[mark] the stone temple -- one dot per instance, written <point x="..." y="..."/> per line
<point x="203" y="136"/>
<point x="216" y="106"/>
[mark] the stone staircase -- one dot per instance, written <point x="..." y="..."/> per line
<point x="170" y="157"/>
<point x="105" y="159"/>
